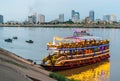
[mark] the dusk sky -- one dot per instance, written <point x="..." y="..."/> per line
<point x="18" y="10"/>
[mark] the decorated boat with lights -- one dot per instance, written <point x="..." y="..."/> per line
<point x="75" y="51"/>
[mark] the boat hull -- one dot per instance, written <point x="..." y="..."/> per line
<point x="70" y="66"/>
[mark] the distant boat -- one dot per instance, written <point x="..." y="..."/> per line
<point x="8" y="40"/>
<point x="29" y="41"/>
<point x="15" y="37"/>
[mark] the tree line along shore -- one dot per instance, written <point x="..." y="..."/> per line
<point x="63" y="25"/>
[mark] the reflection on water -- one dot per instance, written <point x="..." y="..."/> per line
<point x="95" y="72"/>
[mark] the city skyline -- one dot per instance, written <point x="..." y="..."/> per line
<point x="19" y="10"/>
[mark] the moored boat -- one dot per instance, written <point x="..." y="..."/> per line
<point x="75" y="51"/>
<point x="8" y="40"/>
<point x="15" y="37"/>
<point x="29" y="41"/>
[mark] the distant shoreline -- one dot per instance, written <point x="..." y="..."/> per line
<point x="64" y="26"/>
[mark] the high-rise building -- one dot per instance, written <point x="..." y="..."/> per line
<point x="113" y="18"/>
<point x="109" y="18"/>
<point x="61" y="18"/>
<point x="32" y="19"/>
<point x="106" y="18"/>
<point x="73" y="13"/>
<point x="1" y="18"/>
<point x="91" y="15"/>
<point x="87" y="20"/>
<point x="41" y="18"/>
<point x="78" y="15"/>
<point x="75" y="16"/>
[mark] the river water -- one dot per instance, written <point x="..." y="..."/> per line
<point x="104" y="71"/>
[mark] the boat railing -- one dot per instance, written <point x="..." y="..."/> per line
<point x="90" y="47"/>
<point x="76" y="43"/>
<point x="80" y="59"/>
<point x="80" y="56"/>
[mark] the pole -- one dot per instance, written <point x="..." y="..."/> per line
<point x="71" y="53"/>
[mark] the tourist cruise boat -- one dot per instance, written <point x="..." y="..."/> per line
<point x="75" y="51"/>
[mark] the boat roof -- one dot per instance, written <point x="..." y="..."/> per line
<point x="90" y="37"/>
<point x="84" y="38"/>
<point x="79" y="33"/>
<point x="76" y="39"/>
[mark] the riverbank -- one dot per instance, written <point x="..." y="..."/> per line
<point x="15" y="68"/>
<point x="63" y="25"/>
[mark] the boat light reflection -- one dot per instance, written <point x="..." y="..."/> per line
<point x="95" y="72"/>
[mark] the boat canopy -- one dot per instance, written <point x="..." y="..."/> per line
<point x="78" y="39"/>
<point x="89" y="38"/>
<point x="57" y="39"/>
